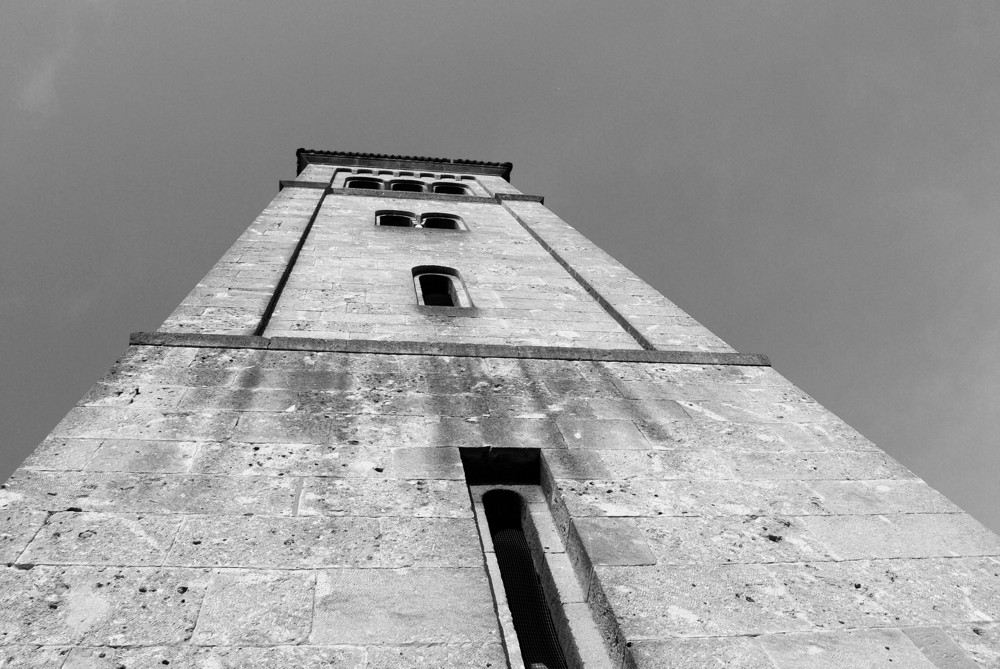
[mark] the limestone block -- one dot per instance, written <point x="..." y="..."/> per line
<point x="876" y="497"/>
<point x="403" y="606"/>
<point x="430" y="542"/>
<point x="666" y="464"/>
<point x="136" y="395"/>
<point x="32" y="657"/>
<point x="497" y="433"/>
<point x="660" y="601"/>
<point x="420" y="498"/>
<point x="613" y="541"/>
<point x="140" y="423"/>
<point x="347" y="461"/>
<point x="17" y="528"/>
<point x="903" y="535"/>
<point x="707" y="653"/>
<point x="62" y="454"/>
<point x="219" y="657"/>
<point x="99" y="605"/>
<point x="731" y="540"/>
<point x="638" y="497"/>
<point x="102" y="538"/>
<point x="273" y="543"/>
<point x="565" y="464"/>
<point x="428" y="463"/>
<point x="939" y="648"/>
<point x="149" y="493"/>
<point x="256" y="608"/>
<point x="638" y="411"/>
<point x="751" y="465"/>
<point x="874" y="649"/>
<point x="981" y="641"/>
<point x="446" y="656"/>
<point x="601" y="434"/>
<point x="143" y="455"/>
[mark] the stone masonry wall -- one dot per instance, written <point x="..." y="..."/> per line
<point x="252" y="508"/>
<point x="353" y="280"/>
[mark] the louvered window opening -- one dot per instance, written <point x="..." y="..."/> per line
<point x="536" y="633"/>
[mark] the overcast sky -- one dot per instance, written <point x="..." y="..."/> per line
<point x="817" y="181"/>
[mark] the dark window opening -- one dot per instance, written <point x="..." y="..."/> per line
<point x="395" y="220"/>
<point x="439" y="222"/>
<point x="408" y="186"/>
<point x="366" y="184"/>
<point x="440" y="287"/>
<point x="536" y="633"/>
<point x="450" y="189"/>
<point x="438" y="290"/>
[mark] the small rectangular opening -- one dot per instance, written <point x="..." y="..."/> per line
<point x="440" y="223"/>
<point x="408" y="186"/>
<point x="395" y="220"/>
<point x="450" y="189"/>
<point x="438" y="290"/>
<point x="510" y="466"/>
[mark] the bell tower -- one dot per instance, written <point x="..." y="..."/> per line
<point x="412" y="418"/>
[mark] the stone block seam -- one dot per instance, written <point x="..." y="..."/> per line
<point x="203" y="340"/>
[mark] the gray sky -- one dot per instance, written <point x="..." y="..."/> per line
<point x="818" y="181"/>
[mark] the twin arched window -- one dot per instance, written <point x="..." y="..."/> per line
<point x="429" y="221"/>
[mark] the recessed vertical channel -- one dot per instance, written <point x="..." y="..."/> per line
<point x="536" y="632"/>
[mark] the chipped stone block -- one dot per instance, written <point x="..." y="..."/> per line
<point x="448" y="656"/>
<point x="239" y="459"/>
<point x="62" y="454"/>
<point x="614" y="541"/>
<point x="431" y="463"/>
<point x="939" y="648"/>
<point x="666" y="464"/>
<point x="33" y="657"/>
<point x="256" y="608"/>
<point x="403" y="606"/>
<point x="103" y="539"/>
<point x="220" y="657"/>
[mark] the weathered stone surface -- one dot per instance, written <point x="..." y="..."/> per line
<point x="276" y="543"/>
<point x="420" y="498"/>
<point x="877" y="649"/>
<point x="256" y="608"/>
<point x="666" y="464"/>
<point x="981" y="641"/>
<point x="397" y="606"/>
<point x="141" y="423"/>
<point x="99" y="605"/>
<point x="429" y="463"/>
<point x="704" y="653"/>
<point x="875" y="497"/>
<point x="103" y="539"/>
<point x="601" y="434"/>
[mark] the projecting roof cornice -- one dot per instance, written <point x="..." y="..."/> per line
<point x="353" y="159"/>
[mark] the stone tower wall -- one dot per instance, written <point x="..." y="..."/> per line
<point x="299" y="499"/>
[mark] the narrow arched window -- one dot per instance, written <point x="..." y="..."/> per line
<point x="363" y="183"/>
<point x="407" y="186"/>
<point x="395" y="219"/>
<point x="440" y="287"/>
<point x="449" y="189"/>
<point x="441" y="222"/>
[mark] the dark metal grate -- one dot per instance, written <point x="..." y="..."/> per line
<point x="536" y="634"/>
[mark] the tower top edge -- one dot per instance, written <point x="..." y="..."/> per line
<point x="352" y="158"/>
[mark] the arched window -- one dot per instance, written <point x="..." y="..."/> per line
<point x="441" y="222"/>
<point x="395" y="219"/>
<point x="364" y="183"/>
<point x="449" y="189"/>
<point x="440" y="287"/>
<point x="408" y="186"/>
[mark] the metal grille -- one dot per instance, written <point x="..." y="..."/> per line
<point x="536" y="634"/>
